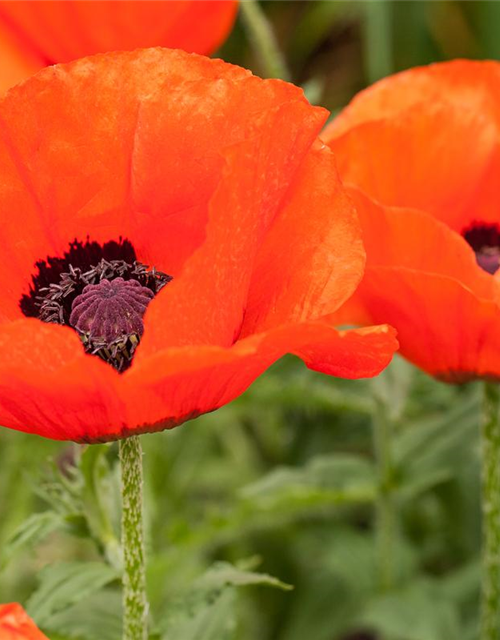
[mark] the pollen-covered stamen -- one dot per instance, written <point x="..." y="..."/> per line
<point x="110" y="310"/>
<point x="484" y="238"/>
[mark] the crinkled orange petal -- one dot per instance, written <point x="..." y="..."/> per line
<point x="178" y="384"/>
<point x="66" y="30"/>
<point x="149" y="110"/>
<point x="312" y="259"/>
<point x="15" y="624"/>
<point x="185" y="130"/>
<point x="431" y="158"/>
<point x="472" y="85"/>
<point x="206" y="303"/>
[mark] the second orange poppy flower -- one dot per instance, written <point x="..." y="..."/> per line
<point x="420" y="152"/>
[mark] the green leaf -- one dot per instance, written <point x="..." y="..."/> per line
<point x="392" y="387"/>
<point x="100" y="496"/>
<point x="330" y="479"/>
<point x="30" y="533"/>
<point x="65" y="584"/>
<point x="207" y="611"/>
<point x="209" y="616"/>
<point x="418" y="612"/>
<point x="430" y="451"/>
<point x="223" y="574"/>
<point x="97" y="617"/>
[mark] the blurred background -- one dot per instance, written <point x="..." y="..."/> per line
<point x="284" y="480"/>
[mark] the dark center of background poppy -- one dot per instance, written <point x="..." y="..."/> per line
<point x="101" y="291"/>
<point x="485" y="240"/>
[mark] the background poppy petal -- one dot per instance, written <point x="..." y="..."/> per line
<point x="18" y="60"/>
<point x="64" y="31"/>
<point x="417" y="160"/>
<point x="401" y="237"/>
<point x="473" y="86"/>
<point x="443" y="327"/>
<point x="312" y="259"/>
<point x="15" y="624"/>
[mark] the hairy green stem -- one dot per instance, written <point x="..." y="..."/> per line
<point x="263" y="40"/>
<point x="135" y="604"/>
<point x="490" y="604"/>
<point x="386" y="519"/>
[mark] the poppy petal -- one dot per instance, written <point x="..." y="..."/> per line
<point x="443" y="327"/>
<point x="15" y="624"/>
<point x="400" y="237"/>
<point x="64" y="31"/>
<point x="18" y="61"/>
<point x="50" y="387"/>
<point x="102" y="189"/>
<point x="185" y="130"/>
<point x="312" y="258"/>
<point x="473" y="86"/>
<point x="205" y="304"/>
<point x="175" y="385"/>
<point x="433" y="173"/>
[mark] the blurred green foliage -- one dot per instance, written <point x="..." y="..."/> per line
<point x="283" y="481"/>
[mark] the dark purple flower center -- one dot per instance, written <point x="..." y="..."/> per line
<point x="110" y="309"/>
<point x="100" y="291"/>
<point x="484" y="238"/>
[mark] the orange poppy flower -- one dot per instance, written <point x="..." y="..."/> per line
<point x="213" y="178"/>
<point x="421" y="155"/>
<point x="35" y="34"/>
<point x="15" y="624"/>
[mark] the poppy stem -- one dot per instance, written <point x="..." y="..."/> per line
<point x="385" y="524"/>
<point x="263" y="40"/>
<point x="135" y="604"/>
<point x="490" y="605"/>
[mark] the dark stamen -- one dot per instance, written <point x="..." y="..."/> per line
<point x="484" y="238"/>
<point x="104" y="301"/>
<point x="79" y="256"/>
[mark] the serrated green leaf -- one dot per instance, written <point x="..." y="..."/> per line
<point x="97" y="617"/>
<point x="428" y="452"/>
<point x="100" y="496"/>
<point x="30" y="533"/>
<point x="210" y="617"/>
<point x="207" y="611"/>
<point x="418" y="612"/>
<point x="333" y="479"/>
<point x="392" y="387"/>
<point x="65" y="584"/>
<point x="223" y="574"/>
